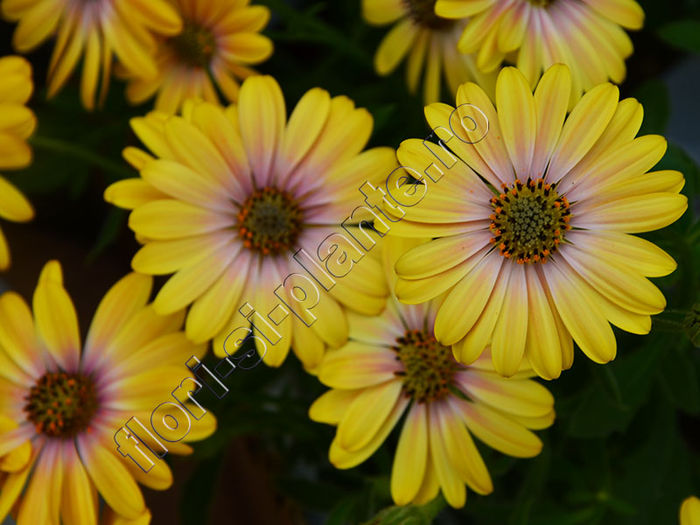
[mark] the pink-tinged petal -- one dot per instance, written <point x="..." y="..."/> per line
<point x="262" y="118"/>
<point x="112" y="479"/>
<point x="344" y="459"/>
<point x="411" y="456"/>
<point x="577" y="305"/>
<point x="56" y="319"/>
<point x="79" y="500"/>
<point x="510" y="332"/>
<point x="517" y="118"/>
<point x="40" y="503"/>
<point x="461" y="450"/>
<point x="365" y="416"/>
<point x="376" y="330"/>
<point x="11" y="439"/>
<point x="358" y="365"/>
<point x="450" y="483"/>
<point x="543" y="348"/>
<point x="172" y="219"/>
<point x="17" y="334"/>
<point x="129" y="295"/>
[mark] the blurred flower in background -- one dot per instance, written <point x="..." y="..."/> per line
<point x="587" y="36"/>
<point x="565" y="191"/>
<point x="220" y="39"/>
<point x="690" y="511"/>
<point x="393" y="365"/>
<point x="97" y="29"/>
<point x="17" y="123"/>
<point x="429" y="41"/>
<point x="235" y="192"/>
<point x="60" y="405"/>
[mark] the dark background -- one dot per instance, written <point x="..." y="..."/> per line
<point x="625" y="448"/>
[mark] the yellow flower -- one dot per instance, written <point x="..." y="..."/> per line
<point x="97" y="27"/>
<point x="535" y="34"/>
<point x="428" y="40"/>
<point x="393" y="365"/>
<point x="234" y="193"/>
<point x="539" y="187"/>
<point x="17" y="123"/>
<point x="60" y="406"/>
<point x="220" y="40"/>
<point x="690" y="511"/>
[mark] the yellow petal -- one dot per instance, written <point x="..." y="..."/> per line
<point x="637" y="214"/>
<point x="451" y="485"/>
<point x="171" y="219"/>
<point x="518" y="119"/>
<point x="411" y="456"/>
<point x="551" y="102"/>
<point x="358" y="365"/>
<point x="331" y="406"/>
<point x="79" y="502"/>
<point x="394" y="46"/>
<point x="510" y="332"/>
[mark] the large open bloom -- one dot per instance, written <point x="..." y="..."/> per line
<point x="235" y="192"/>
<point x="393" y="365"/>
<point x="98" y="29"/>
<point x="17" y="123"/>
<point x="428" y="40"/>
<point x="531" y="225"/>
<point x="219" y="41"/>
<point x="60" y="405"/>
<point x="690" y="511"/>
<point x="586" y="35"/>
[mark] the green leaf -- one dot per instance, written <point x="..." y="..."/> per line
<point x="683" y="34"/>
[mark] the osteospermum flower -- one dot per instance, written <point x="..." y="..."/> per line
<point x="60" y="406"/>
<point x="393" y="365"/>
<point x="98" y="29"/>
<point x="428" y="40"/>
<point x="531" y="226"/>
<point x="690" y="511"/>
<point x="586" y="35"/>
<point x="17" y="123"/>
<point x="219" y="41"/>
<point x="235" y="192"/>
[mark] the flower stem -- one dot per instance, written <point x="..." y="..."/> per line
<point x="70" y="149"/>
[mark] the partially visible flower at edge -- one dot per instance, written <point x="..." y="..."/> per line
<point x="17" y="123"/>
<point x="60" y="405"/>
<point x="429" y="41"/>
<point x="96" y="29"/>
<point x="690" y="511"/>
<point x="586" y="35"/>
<point x="219" y="42"/>
<point x="392" y="365"/>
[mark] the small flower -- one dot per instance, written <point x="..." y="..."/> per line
<point x="17" y="123"/>
<point x="60" y="405"/>
<point x="586" y="35"/>
<point x="219" y="41"/>
<point x="531" y="226"/>
<point x="429" y="41"/>
<point x="99" y="28"/>
<point x="690" y="511"/>
<point x="393" y="365"/>
<point x="234" y="193"/>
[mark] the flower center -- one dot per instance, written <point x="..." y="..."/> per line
<point x="269" y="221"/>
<point x="428" y="366"/>
<point x="529" y="221"/>
<point x="423" y="13"/>
<point x="542" y="3"/>
<point x="61" y="405"/>
<point x="194" y="46"/>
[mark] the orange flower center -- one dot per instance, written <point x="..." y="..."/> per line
<point x="194" y="46"/>
<point x="62" y="405"/>
<point x="428" y="366"/>
<point x="423" y="13"/>
<point x="529" y="220"/>
<point x="270" y="221"/>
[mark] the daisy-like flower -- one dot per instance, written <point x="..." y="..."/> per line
<point x="60" y="405"/>
<point x="428" y="40"/>
<point x="531" y="225"/>
<point x="690" y="511"/>
<point x="234" y="193"/>
<point x="219" y="42"/>
<point x="98" y="29"/>
<point x="586" y="35"/>
<point x="17" y="123"/>
<point x="393" y="365"/>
